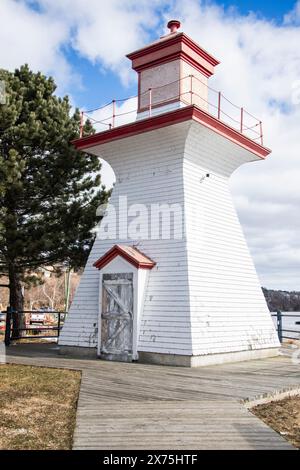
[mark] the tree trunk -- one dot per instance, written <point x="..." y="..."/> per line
<point x="16" y="301"/>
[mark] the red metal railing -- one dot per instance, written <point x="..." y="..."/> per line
<point x="122" y="111"/>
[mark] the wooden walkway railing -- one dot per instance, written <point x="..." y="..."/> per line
<point x="48" y="327"/>
<point x="282" y="318"/>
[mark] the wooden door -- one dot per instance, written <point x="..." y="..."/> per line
<point x="117" y="316"/>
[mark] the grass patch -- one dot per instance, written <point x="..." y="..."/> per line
<point x="283" y="416"/>
<point x="37" y="407"/>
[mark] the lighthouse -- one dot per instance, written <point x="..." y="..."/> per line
<point x="170" y="279"/>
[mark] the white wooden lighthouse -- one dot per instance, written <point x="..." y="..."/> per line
<point x="187" y="294"/>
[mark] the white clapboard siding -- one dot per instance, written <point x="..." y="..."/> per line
<point x="148" y="169"/>
<point x="203" y="295"/>
<point x="228" y="309"/>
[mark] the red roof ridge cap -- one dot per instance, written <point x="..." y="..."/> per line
<point x="125" y="251"/>
<point x="171" y="39"/>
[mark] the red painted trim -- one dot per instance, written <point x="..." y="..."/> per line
<point x="139" y="90"/>
<point x="157" y="61"/>
<point x="189" y="60"/>
<point x="170" y="40"/>
<point x="156" y="46"/>
<point x="168" y="119"/>
<point x="134" y="128"/>
<point x="176" y="56"/>
<point x="117" y="250"/>
<point x="230" y="133"/>
<point x="199" y="50"/>
<point x="172" y="47"/>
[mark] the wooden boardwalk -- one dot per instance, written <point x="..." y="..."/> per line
<point x="138" y="406"/>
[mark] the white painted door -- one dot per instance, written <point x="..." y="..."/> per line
<point x="117" y="316"/>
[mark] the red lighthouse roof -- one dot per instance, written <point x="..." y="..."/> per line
<point x="176" y="45"/>
<point x="129" y="253"/>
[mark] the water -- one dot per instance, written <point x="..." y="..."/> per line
<point x="288" y="323"/>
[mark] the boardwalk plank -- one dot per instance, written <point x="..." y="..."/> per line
<point x="141" y="406"/>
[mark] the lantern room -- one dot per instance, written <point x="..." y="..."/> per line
<point x="172" y="72"/>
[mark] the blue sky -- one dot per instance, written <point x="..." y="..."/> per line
<point x="92" y="82"/>
<point x="269" y="9"/>
<point x="83" y="46"/>
<point x="91" y="92"/>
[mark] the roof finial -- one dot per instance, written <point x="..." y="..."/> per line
<point x="173" y="25"/>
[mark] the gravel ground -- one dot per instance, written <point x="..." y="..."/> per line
<point x="283" y="416"/>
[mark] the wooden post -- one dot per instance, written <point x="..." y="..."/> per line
<point x="58" y="324"/>
<point x="242" y="119"/>
<point x="81" y="125"/>
<point x="261" y="133"/>
<point x="150" y="102"/>
<point x="114" y="113"/>
<point x="67" y="288"/>
<point x="219" y="105"/>
<point x="8" y="326"/>
<point x="279" y="325"/>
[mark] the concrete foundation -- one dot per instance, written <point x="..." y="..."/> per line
<point x="116" y="357"/>
<point x="174" y="359"/>
<point x="78" y="351"/>
<point x="210" y="359"/>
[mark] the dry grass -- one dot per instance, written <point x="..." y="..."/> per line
<point x="283" y="416"/>
<point x="37" y="407"/>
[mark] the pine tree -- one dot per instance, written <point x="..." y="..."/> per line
<point x="49" y="191"/>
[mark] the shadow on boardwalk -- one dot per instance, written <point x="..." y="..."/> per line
<point x="139" y="406"/>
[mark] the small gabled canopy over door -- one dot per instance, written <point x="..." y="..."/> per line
<point x="117" y="316"/>
<point x="122" y="290"/>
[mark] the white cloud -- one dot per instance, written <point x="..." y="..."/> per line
<point x="105" y="31"/>
<point x="29" y="37"/>
<point x="293" y="16"/>
<point x="260" y="69"/>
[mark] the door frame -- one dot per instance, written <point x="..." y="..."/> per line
<point x="116" y="266"/>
